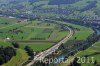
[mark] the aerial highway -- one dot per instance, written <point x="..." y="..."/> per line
<point x="49" y="51"/>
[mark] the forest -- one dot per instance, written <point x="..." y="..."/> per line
<point x="6" y="54"/>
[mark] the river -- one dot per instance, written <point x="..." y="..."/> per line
<point x="98" y="32"/>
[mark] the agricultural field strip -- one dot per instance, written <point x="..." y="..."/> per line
<point x="9" y="26"/>
<point x="35" y="41"/>
<point x="82" y="34"/>
<point x="22" y="27"/>
<point x="38" y="27"/>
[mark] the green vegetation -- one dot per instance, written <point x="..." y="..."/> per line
<point x="6" y="21"/>
<point x="35" y="30"/>
<point x="4" y="43"/>
<point x="93" y="51"/>
<point x="39" y="35"/>
<point x="37" y="46"/>
<point x="6" y="53"/>
<point x="17" y="60"/>
<point x="81" y="32"/>
<point x="32" y="31"/>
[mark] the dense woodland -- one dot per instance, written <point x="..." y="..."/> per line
<point x="6" y="54"/>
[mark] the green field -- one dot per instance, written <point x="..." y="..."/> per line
<point x="82" y="33"/>
<point x="6" y="21"/>
<point x="93" y="51"/>
<point x="29" y="31"/>
<point x="79" y="35"/>
<point x="38" y="35"/>
<point x="32" y="31"/>
<point x="37" y="46"/>
<point x="4" y="43"/>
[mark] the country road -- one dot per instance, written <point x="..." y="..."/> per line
<point x="49" y="51"/>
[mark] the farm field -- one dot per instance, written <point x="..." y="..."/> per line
<point x="37" y="46"/>
<point x="28" y="31"/>
<point x="6" y="21"/>
<point x="31" y="33"/>
<point x="4" y="44"/>
<point x="38" y="35"/>
<point x="80" y="33"/>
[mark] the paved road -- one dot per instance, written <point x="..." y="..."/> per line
<point x="45" y="53"/>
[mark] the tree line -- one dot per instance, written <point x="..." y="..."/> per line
<point x="58" y="2"/>
<point x="6" y="54"/>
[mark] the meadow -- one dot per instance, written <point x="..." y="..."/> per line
<point x="31" y="33"/>
<point x="93" y="51"/>
<point x="38" y="35"/>
<point x="37" y="46"/>
<point x="6" y="21"/>
<point x="81" y="33"/>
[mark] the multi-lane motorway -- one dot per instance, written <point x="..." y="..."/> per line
<point x="49" y="51"/>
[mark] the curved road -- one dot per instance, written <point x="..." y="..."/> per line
<point x="45" y="53"/>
